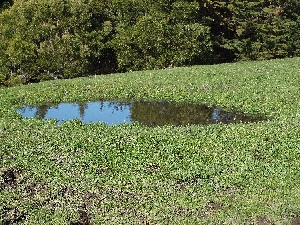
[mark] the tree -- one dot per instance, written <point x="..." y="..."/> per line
<point x="158" y="34"/>
<point x="219" y="17"/>
<point x="265" y="29"/>
<point x="49" y="39"/>
<point x="64" y="39"/>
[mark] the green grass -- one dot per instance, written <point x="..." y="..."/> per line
<point x="132" y="174"/>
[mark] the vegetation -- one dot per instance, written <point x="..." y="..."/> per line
<point x="42" y="40"/>
<point x="64" y="39"/>
<point x="266" y="29"/>
<point x="82" y="174"/>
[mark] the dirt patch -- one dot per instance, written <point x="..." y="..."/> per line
<point x="120" y="195"/>
<point x="34" y="189"/>
<point x="211" y="206"/>
<point x="262" y="220"/>
<point x="65" y="191"/>
<point x="84" y="218"/>
<point x="296" y="221"/>
<point x="12" y="216"/>
<point x="153" y="168"/>
<point x="6" y="157"/>
<point x="182" y="184"/>
<point x="91" y="195"/>
<point x="9" y="178"/>
<point x="104" y="170"/>
<point x="59" y="159"/>
<point x="186" y="212"/>
<point x="208" y="210"/>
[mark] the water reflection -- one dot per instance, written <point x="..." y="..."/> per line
<point x="108" y="112"/>
<point x="161" y="113"/>
<point x="147" y="113"/>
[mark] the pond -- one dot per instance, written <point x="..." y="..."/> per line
<point x="145" y="112"/>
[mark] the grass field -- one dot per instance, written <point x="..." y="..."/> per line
<point x="132" y="174"/>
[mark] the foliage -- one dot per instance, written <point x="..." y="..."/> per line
<point x="162" y="35"/>
<point x="217" y="15"/>
<point x="265" y="29"/>
<point x="65" y="39"/>
<point x="231" y="174"/>
<point x="50" y="39"/>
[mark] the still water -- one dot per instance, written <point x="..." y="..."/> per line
<point x="147" y="113"/>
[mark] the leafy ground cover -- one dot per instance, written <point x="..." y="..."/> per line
<point x="132" y="174"/>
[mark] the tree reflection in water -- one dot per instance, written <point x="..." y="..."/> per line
<point x="161" y="113"/>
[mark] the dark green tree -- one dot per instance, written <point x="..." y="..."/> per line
<point x="49" y="39"/>
<point x="218" y="16"/>
<point x="265" y="29"/>
<point x="158" y="34"/>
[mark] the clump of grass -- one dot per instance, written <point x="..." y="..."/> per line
<point x="93" y="173"/>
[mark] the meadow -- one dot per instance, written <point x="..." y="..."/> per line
<point x="75" y="173"/>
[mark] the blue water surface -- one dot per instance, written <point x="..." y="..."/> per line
<point x="106" y="112"/>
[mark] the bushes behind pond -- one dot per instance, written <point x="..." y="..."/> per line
<point x="65" y="39"/>
<point x="42" y="40"/>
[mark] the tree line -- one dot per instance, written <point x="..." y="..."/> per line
<point x="51" y="39"/>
